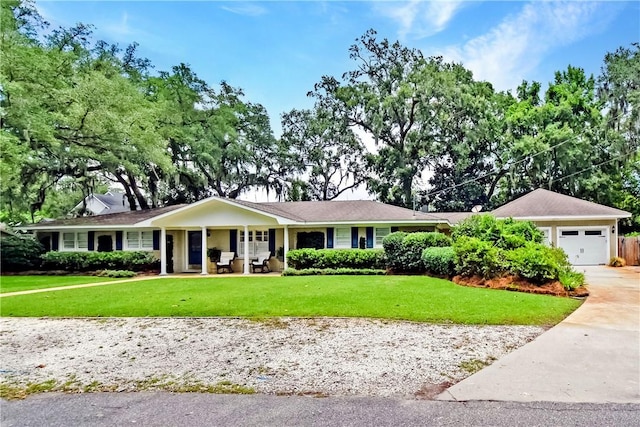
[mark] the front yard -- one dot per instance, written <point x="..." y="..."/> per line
<point x="414" y="298"/>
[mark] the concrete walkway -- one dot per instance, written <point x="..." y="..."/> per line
<point x="591" y="356"/>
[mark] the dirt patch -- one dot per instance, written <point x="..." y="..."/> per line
<point x="513" y="283"/>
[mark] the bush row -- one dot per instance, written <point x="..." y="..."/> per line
<point x="404" y="250"/>
<point x="115" y="273"/>
<point x="91" y="261"/>
<point x="487" y="247"/>
<point x="301" y="259"/>
<point x="20" y="253"/>
<point x="333" y="272"/>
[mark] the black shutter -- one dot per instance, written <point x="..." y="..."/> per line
<point x="330" y="238"/>
<point x="118" y="240"/>
<point x="354" y="237"/>
<point x="272" y="241"/>
<point x="369" y="237"/>
<point x="55" y="241"/>
<point x="156" y="240"/>
<point x="91" y="237"/>
<point x="233" y="241"/>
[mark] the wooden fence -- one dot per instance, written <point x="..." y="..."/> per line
<point x="629" y="249"/>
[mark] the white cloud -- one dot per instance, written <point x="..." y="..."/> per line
<point x="247" y="9"/>
<point x="418" y="19"/>
<point x="515" y="48"/>
<point x="120" y="29"/>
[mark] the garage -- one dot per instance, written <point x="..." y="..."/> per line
<point x="586" y="231"/>
<point x="585" y="246"/>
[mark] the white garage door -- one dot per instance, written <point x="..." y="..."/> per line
<point x="585" y="246"/>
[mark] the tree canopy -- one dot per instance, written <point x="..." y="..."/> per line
<point x="79" y="116"/>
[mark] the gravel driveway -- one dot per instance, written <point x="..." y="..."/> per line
<point x="276" y="356"/>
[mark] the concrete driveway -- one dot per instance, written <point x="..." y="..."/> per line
<point x="591" y="356"/>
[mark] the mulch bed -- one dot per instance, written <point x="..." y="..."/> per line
<point x="513" y="283"/>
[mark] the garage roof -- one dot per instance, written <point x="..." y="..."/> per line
<point x="542" y="203"/>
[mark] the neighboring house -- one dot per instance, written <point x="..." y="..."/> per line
<point x="180" y="235"/>
<point x="101" y="204"/>
<point x="5" y="231"/>
<point x="588" y="232"/>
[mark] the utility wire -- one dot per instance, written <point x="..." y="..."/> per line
<point x="521" y="160"/>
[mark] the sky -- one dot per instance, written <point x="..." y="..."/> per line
<point x="277" y="50"/>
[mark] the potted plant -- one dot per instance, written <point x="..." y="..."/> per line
<point x="280" y="254"/>
<point x="214" y="254"/>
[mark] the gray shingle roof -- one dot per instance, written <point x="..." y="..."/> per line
<point x="340" y="210"/>
<point x="545" y="203"/>
<point x="120" y="218"/>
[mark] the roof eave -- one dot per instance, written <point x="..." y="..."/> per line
<point x="565" y="217"/>
<point x="281" y="220"/>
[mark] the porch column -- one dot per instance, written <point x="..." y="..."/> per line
<point x="615" y="238"/>
<point x="286" y="245"/>
<point x="246" y="250"/>
<point x="163" y="251"/>
<point x="205" y="271"/>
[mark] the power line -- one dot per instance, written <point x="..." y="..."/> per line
<point x="521" y="160"/>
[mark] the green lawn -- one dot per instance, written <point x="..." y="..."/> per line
<point x="26" y="283"/>
<point x="416" y="298"/>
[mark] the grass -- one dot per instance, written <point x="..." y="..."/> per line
<point x="21" y="391"/>
<point x="27" y="283"/>
<point x="415" y="298"/>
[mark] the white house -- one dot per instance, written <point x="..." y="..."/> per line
<point x="180" y="235"/>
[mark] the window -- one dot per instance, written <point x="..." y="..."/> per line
<point x="593" y="233"/>
<point x="546" y="235"/>
<point x="75" y="241"/>
<point x="258" y="242"/>
<point x="343" y="238"/>
<point x="139" y="240"/>
<point x="570" y="233"/>
<point x="381" y="233"/>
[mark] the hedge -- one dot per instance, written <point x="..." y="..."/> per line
<point x="439" y="260"/>
<point x="301" y="259"/>
<point x="404" y="250"/>
<point x="20" y="253"/>
<point x="333" y="272"/>
<point x="92" y="261"/>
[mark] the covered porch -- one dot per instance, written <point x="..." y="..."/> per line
<point x="189" y="235"/>
<point x="192" y="250"/>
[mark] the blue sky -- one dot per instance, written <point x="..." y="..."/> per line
<point x="276" y="51"/>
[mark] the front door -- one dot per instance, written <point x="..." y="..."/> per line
<point x="105" y="243"/>
<point x="195" y="247"/>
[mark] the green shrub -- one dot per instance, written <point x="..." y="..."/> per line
<point x="475" y="257"/>
<point x="333" y="272"/>
<point x="406" y="255"/>
<point x="536" y="263"/>
<point x="115" y="273"/>
<point x="392" y="244"/>
<point x="20" y="253"/>
<point x="571" y="279"/>
<point x="336" y="258"/>
<point x="504" y="233"/>
<point x="439" y="260"/>
<point x="92" y="261"/>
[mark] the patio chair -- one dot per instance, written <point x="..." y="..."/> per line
<point x="226" y="262"/>
<point x="262" y="262"/>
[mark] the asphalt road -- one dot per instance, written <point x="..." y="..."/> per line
<point x="190" y="409"/>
